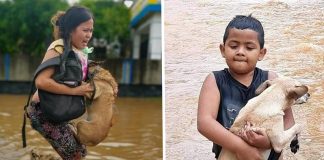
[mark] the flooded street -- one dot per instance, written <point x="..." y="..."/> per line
<point x="137" y="134"/>
<point x="193" y="30"/>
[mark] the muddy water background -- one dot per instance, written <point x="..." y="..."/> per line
<point x="137" y="134"/>
<point x="294" y="37"/>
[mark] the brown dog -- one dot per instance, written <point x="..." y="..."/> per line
<point x="95" y="127"/>
<point x="265" y="112"/>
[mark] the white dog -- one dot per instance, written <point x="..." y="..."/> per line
<point x="265" y="112"/>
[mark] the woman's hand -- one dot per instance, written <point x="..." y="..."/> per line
<point x="255" y="137"/>
<point x="83" y="89"/>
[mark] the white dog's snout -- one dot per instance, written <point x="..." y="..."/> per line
<point x="303" y="99"/>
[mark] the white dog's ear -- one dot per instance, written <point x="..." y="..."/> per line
<point x="262" y="87"/>
<point x="297" y="91"/>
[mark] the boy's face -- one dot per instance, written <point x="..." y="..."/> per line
<point x="242" y="50"/>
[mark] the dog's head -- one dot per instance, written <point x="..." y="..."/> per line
<point x="292" y="89"/>
<point x="101" y="79"/>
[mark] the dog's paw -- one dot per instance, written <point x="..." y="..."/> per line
<point x="294" y="145"/>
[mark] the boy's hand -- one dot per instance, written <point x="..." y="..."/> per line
<point x="255" y="137"/>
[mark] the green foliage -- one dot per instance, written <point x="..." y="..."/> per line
<point x="26" y="25"/>
<point x="3" y="25"/>
<point x="111" y="19"/>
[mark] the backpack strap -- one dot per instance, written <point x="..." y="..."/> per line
<point x="49" y="63"/>
<point x="57" y="45"/>
<point x="55" y="61"/>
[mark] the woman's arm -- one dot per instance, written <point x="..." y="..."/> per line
<point x="45" y="82"/>
<point x="207" y="125"/>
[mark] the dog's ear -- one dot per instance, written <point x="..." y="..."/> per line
<point x="297" y="91"/>
<point x="263" y="86"/>
<point x="98" y="92"/>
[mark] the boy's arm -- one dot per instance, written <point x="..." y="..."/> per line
<point x="208" y="106"/>
<point x="258" y="138"/>
<point x="288" y="118"/>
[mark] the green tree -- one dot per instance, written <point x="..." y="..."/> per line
<point x="112" y="19"/>
<point x="26" y="25"/>
<point x="4" y="9"/>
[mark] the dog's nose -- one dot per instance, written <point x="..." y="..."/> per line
<point x="302" y="99"/>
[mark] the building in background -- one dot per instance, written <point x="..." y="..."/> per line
<point x="147" y="43"/>
<point x="146" y="29"/>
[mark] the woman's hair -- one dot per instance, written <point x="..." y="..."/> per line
<point x="65" y="22"/>
<point x="246" y="22"/>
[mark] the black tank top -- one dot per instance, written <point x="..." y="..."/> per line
<point x="233" y="96"/>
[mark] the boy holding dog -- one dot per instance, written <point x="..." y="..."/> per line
<point x="225" y="92"/>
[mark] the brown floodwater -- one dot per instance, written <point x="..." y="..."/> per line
<point x="136" y="135"/>
<point x="193" y="30"/>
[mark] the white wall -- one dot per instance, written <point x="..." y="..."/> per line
<point x="152" y="26"/>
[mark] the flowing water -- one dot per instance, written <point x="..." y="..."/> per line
<point x="136" y="135"/>
<point x="193" y="30"/>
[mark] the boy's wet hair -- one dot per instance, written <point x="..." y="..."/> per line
<point x="246" y="22"/>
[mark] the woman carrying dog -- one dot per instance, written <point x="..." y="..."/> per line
<point x="225" y="92"/>
<point x="74" y="28"/>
